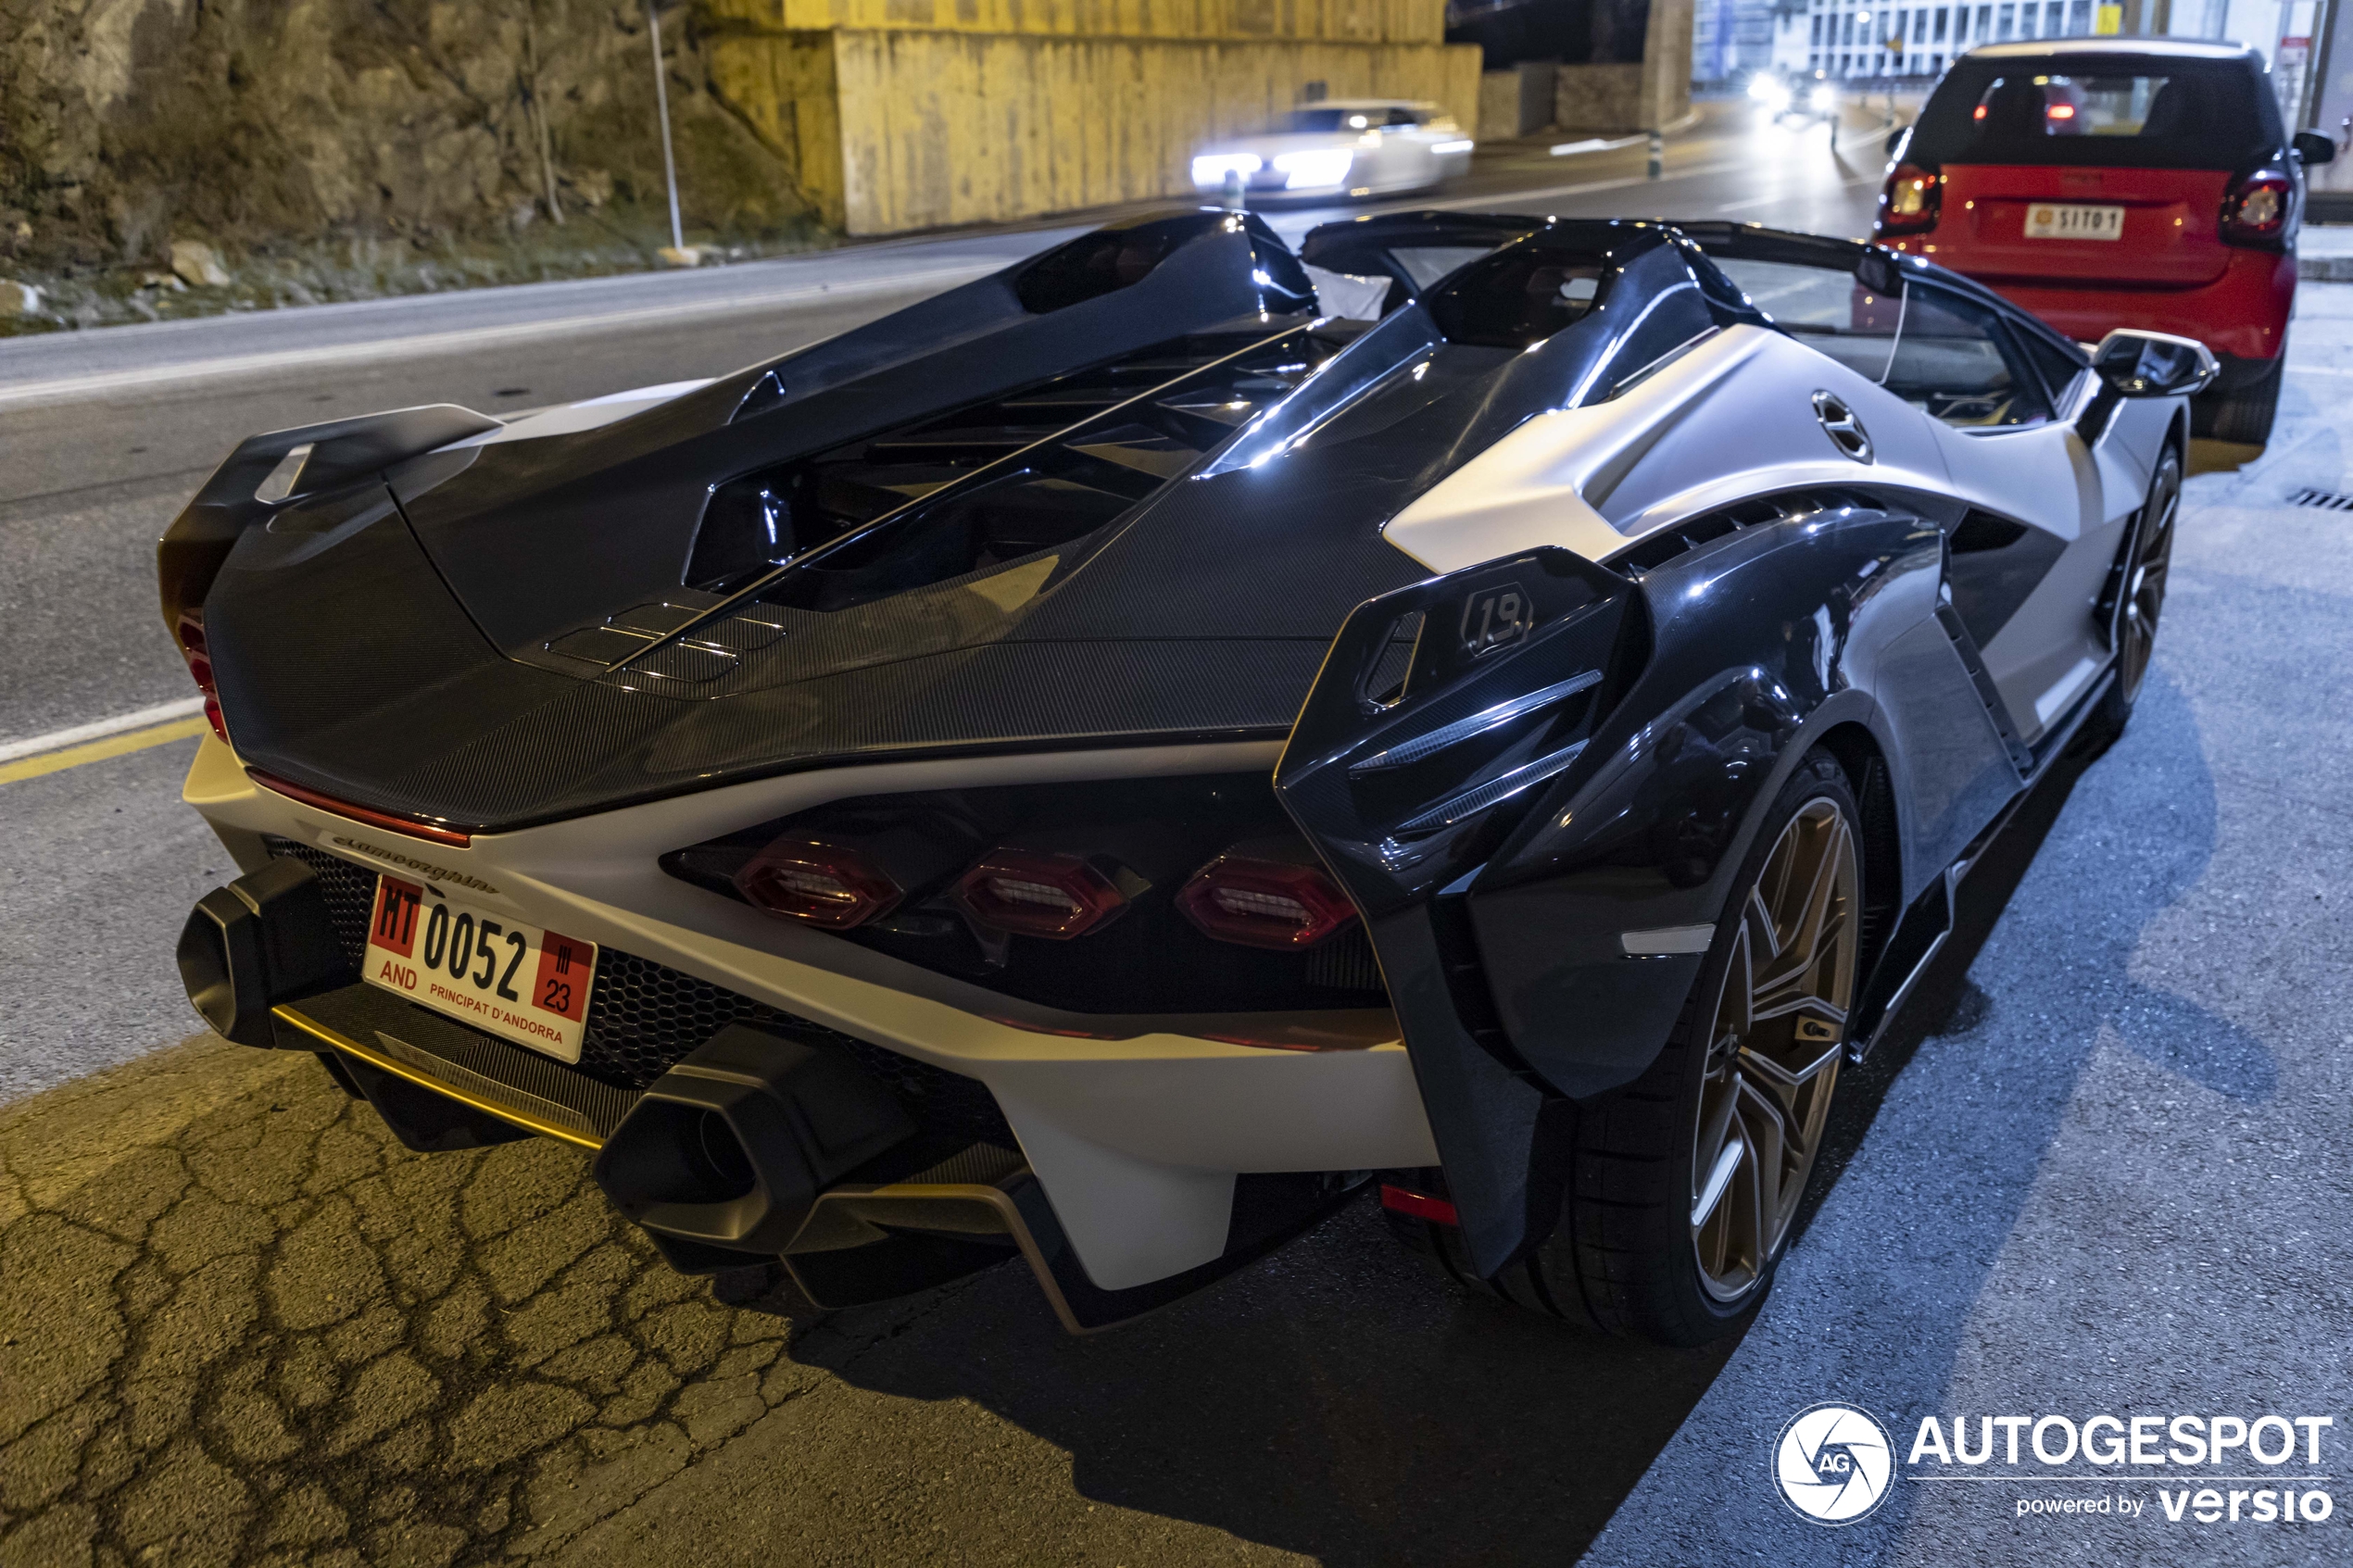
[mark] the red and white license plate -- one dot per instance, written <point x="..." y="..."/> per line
<point x="506" y="978"/>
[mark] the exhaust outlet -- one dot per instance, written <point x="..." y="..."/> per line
<point x="263" y="939"/>
<point x="724" y="1156"/>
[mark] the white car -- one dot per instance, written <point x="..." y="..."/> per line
<point x="1784" y="96"/>
<point x="1341" y="147"/>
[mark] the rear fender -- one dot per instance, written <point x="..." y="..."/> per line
<point x="1593" y="919"/>
<point x="1406" y="790"/>
<point x="1538" y="945"/>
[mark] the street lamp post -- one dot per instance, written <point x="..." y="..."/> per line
<point x="661" y="110"/>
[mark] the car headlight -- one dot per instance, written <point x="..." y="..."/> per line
<point x="1444" y="148"/>
<point x="1326" y="166"/>
<point x="1775" y="97"/>
<point x="1211" y="168"/>
<point x="1824" y="99"/>
<point x="1761" y="88"/>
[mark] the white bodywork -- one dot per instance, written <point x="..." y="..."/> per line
<point x="1375" y="146"/>
<point x="589" y="413"/>
<point x="1136" y="1142"/>
<point x="1733" y="417"/>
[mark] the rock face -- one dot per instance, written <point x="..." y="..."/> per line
<point x="197" y="265"/>
<point x="126" y="124"/>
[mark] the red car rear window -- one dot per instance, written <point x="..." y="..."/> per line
<point x="2102" y="110"/>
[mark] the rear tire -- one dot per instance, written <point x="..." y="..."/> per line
<point x="2245" y="413"/>
<point x="2136" y="596"/>
<point x="1725" y="1125"/>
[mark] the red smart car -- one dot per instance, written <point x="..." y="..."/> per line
<point x="2117" y="182"/>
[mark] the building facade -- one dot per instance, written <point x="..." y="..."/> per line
<point x="1730" y="38"/>
<point x="1876" y="39"/>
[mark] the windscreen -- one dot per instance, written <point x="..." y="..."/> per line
<point x="1330" y="119"/>
<point x="1520" y="295"/>
<point x="2108" y="110"/>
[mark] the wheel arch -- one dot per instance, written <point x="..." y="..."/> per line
<point x="1861" y="755"/>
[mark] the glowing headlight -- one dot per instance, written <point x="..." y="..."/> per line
<point x="1442" y="148"/>
<point x="1824" y="98"/>
<point x="1326" y="166"/>
<point x="1775" y="97"/>
<point x="1211" y="168"/>
<point x="1761" y="88"/>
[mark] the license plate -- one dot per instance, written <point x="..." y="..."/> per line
<point x="2058" y="220"/>
<point x="506" y="978"/>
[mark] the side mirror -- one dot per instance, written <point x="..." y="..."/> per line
<point x="1877" y="271"/>
<point x="2139" y="364"/>
<point x="2314" y="148"/>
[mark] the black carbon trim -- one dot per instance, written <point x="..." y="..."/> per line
<point x="469" y="1060"/>
<point x="594" y="747"/>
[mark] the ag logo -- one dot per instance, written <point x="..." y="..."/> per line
<point x="1494" y="618"/>
<point x="1833" y="1463"/>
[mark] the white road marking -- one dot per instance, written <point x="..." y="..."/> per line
<point x="100" y="729"/>
<point x="423" y="345"/>
<point x="1505" y="201"/>
<point x="1795" y="196"/>
<point x="1594" y="144"/>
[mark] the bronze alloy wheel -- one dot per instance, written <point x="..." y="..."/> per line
<point x="1772" y="1055"/>
<point x="1684" y="1184"/>
<point x="2144" y="586"/>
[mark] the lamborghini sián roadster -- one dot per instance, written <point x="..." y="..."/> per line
<point x="1107" y="764"/>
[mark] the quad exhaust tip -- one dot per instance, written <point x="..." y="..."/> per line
<point x="264" y="939"/>
<point x="725" y="1154"/>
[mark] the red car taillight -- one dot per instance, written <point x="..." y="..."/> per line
<point x="1418" y="1205"/>
<point x="808" y="879"/>
<point x="1264" y="903"/>
<point x="189" y="634"/>
<point x="2255" y="211"/>
<point x="1039" y="893"/>
<point x="1909" y="205"/>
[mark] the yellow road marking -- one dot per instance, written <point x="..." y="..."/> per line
<point x="99" y="750"/>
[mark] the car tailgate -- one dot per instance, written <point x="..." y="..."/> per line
<point x="2169" y="238"/>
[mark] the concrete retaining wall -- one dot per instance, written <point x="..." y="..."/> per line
<point x="900" y="127"/>
<point x="1643" y="96"/>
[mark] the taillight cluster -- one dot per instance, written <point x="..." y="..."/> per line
<point x="1249" y="899"/>
<point x="2255" y="209"/>
<point x="827" y="884"/>
<point x="1260" y="903"/>
<point x="1910" y="203"/>
<point x="1039" y="892"/>
<point x="189" y="632"/>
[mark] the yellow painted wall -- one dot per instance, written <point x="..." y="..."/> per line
<point x="782" y="86"/>
<point x="1352" y="22"/>
<point x="896" y="128"/>
<point x="956" y="127"/>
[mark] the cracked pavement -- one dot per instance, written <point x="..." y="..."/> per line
<point x="242" y="1325"/>
<point x="246" y="1326"/>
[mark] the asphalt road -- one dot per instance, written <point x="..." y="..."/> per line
<point x="2102" y="1171"/>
